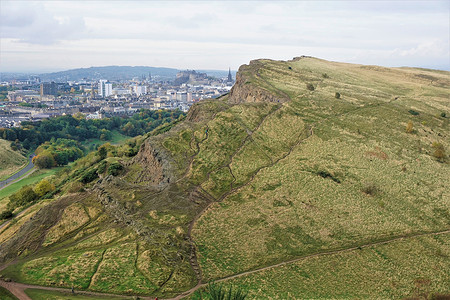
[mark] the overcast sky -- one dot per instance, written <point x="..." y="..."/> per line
<point x="41" y="36"/>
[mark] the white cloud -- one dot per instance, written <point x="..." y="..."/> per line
<point x="218" y="34"/>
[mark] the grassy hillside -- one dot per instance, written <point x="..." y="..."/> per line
<point x="10" y="161"/>
<point x="276" y="174"/>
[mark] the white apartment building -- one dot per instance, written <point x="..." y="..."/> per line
<point x="140" y="90"/>
<point x="104" y="88"/>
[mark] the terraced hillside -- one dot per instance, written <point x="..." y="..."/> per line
<point x="311" y="179"/>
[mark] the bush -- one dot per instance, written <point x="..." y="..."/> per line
<point x="325" y="75"/>
<point x="44" y="187"/>
<point x="101" y="167"/>
<point x="217" y="292"/>
<point x="439" y="151"/>
<point x="6" y="214"/>
<point x="443" y="114"/>
<point x="337" y="95"/>
<point x="310" y="87"/>
<point x="115" y="168"/>
<point x="24" y="196"/>
<point x="89" y="176"/>
<point x="413" y="112"/>
<point x="409" y="127"/>
<point x="370" y="189"/>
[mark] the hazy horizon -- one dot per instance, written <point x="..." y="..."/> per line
<point x="51" y="36"/>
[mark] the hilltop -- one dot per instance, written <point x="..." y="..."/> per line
<point x="309" y="179"/>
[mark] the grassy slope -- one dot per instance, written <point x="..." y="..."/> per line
<point x="288" y="210"/>
<point x="10" y="161"/>
<point x="287" y="178"/>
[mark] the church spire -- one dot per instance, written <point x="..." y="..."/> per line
<point x="230" y="79"/>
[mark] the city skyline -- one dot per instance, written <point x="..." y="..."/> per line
<point x="45" y="36"/>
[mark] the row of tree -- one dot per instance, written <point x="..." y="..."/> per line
<point x="33" y="134"/>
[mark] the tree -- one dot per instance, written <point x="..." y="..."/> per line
<point x="44" y="160"/>
<point x="43" y="187"/>
<point x="103" y="151"/>
<point x="24" y="196"/>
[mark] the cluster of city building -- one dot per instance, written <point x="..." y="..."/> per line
<point x="32" y="100"/>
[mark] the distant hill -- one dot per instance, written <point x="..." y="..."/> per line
<point x="109" y="72"/>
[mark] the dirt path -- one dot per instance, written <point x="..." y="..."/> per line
<point x="18" y="289"/>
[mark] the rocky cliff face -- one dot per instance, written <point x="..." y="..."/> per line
<point x="155" y="166"/>
<point x="246" y="88"/>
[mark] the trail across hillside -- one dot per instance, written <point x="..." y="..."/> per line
<point x="360" y="247"/>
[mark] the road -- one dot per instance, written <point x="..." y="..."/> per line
<point x="19" y="174"/>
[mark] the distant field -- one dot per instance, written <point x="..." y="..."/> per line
<point x="37" y="294"/>
<point x="10" y="161"/>
<point x="31" y="179"/>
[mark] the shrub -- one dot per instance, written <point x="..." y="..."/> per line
<point x="439" y="151"/>
<point x="310" y="87"/>
<point x="443" y="114"/>
<point x="6" y="214"/>
<point x="217" y="292"/>
<point x="101" y="167"/>
<point x="370" y="189"/>
<point x="115" y="168"/>
<point x="413" y="112"/>
<point x="409" y="127"/>
<point x="24" y="196"/>
<point x="290" y="68"/>
<point x="44" y="187"/>
<point x="337" y="95"/>
<point x="325" y="75"/>
<point x="89" y="176"/>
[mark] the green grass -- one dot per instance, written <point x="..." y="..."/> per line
<point x="116" y="139"/>
<point x="410" y="268"/>
<point x="290" y="209"/>
<point x="6" y="295"/>
<point x="37" y="294"/>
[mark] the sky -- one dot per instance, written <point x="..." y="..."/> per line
<point x="44" y="36"/>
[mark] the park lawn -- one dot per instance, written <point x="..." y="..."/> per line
<point x="116" y="139"/>
<point x="6" y="295"/>
<point x="37" y="294"/>
<point x="31" y="179"/>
